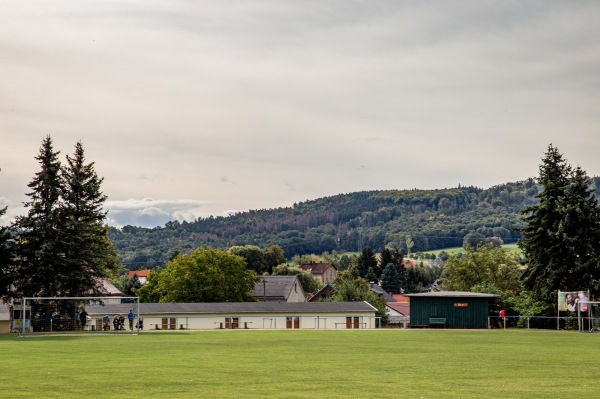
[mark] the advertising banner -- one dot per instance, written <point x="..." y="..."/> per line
<point x="569" y="301"/>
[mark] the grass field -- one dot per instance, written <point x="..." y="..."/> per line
<point x="303" y="364"/>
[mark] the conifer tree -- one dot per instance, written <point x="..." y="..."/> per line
<point x="63" y="245"/>
<point x="366" y="260"/>
<point x="561" y="239"/>
<point x="371" y="276"/>
<point x="390" y="280"/>
<point x="386" y="256"/>
<point x="6" y="257"/>
<point x="40" y="251"/>
<point x="89" y="254"/>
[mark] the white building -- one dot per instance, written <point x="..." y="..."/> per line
<point x="250" y="315"/>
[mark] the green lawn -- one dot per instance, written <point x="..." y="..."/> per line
<point x="303" y="364"/>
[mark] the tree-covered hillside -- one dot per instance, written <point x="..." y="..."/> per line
<point x="346" y="222"/>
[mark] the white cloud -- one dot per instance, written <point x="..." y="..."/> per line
<point x="149" y="212"/>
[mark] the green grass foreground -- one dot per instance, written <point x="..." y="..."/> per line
<point x="303" y="364"/>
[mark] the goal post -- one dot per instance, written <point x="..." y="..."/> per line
<point x="588" y="314"/>
<point x="78" y="315"/>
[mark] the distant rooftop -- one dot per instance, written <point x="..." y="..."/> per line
<point x="453" y="294"/>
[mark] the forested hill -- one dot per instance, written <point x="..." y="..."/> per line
<point x="345" y="222"/>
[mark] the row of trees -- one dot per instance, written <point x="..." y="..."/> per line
<point x="61" y="247"/>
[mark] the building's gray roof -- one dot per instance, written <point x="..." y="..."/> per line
<point x="381" y="292"/>
<point x="232" y="308"/>
<point x="276" y="287"/>
<point x="453" y="294"/>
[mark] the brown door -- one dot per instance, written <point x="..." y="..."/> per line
<point x="232" y="322"/>
<point x="348" y="322"/>
<point x="356" y="323"/>
<point x="292" y="322"/>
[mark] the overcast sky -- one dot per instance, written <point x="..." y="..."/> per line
<point x="196" y="108"/>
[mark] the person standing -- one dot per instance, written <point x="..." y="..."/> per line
<point x="131" y="316"/>
<point x="83" y="318"/>
<point x="106" y="323"/>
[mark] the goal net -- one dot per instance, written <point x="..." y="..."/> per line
<point x="78" y="315"/>
<point x="589" y="316"/>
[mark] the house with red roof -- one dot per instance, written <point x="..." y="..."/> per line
<point x="142" y="275"/>
<point x="400" y="298"/>
<point x="398" y="313"/>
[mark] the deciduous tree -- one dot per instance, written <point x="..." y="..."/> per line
<point x="492" y="270"/>
<point x="205" y="275"/>
<point x="348" y="289"/>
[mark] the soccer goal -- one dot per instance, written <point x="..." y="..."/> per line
<point x="78" y="315"/>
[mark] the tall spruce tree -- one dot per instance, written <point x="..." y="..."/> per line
<point x="89" y="255"/>
<point x="63" y="245"/>
<point x="580" y="232"/>
<point x="6" y="257"/>
<point x="40" y="252"/>
<point x="390" y="280"/>
<point x="366" y="260"/>
<point x="387" y="256"/>
<point x="561" y="239"/>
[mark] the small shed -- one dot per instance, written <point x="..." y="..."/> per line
<point x="451" y="309"/>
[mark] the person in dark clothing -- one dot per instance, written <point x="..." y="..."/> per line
<point x="83" y="318"/>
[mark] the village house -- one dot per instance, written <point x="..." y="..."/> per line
<point x="279" y="289"/>
<point x="141" y="274"/>
<point x="323" y="272"/>
<point x="398" y="313"/>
